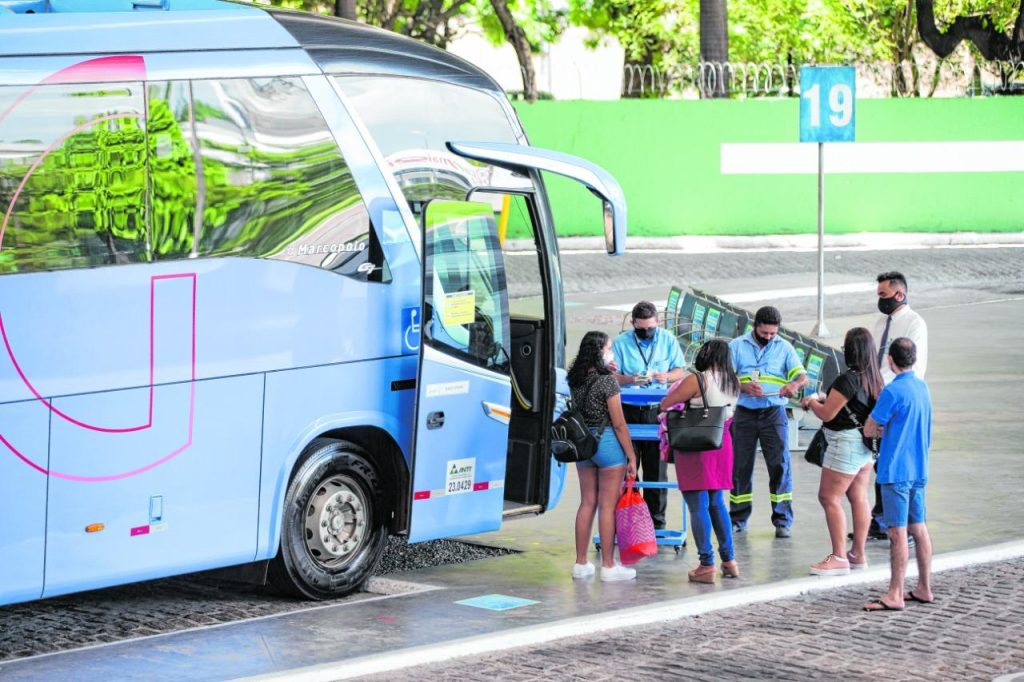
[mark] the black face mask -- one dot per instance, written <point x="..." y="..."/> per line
<point x="761" y="342"/>
<point x="887" y="306"/>
<point x="644" y="334"/>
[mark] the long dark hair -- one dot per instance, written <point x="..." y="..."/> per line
<point x="859" y="352"/>
<point x="589" y="360"/>
<point x="715" y="355"/>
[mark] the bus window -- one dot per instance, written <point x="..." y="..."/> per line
<point x="174" y="221"/>
<point x="72" y="176"/>
<point x="467" y="289"/>
<point x="410" y="120"/>
<point x="274" y="183"/>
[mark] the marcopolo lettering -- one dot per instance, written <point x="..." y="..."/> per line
<point x="314" y="249"/>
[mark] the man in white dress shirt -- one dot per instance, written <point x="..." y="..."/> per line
<point x="897" y="320"/>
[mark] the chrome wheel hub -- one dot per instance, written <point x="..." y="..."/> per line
<point x="336" y="521"/>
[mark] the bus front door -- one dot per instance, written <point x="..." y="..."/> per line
<point x="463" y="387"/>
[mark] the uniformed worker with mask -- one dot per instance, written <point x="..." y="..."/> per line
<point x="642" y="354"/>
<point x="770" y="373"/>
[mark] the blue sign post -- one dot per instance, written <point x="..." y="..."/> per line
<point x="828" y="98"/>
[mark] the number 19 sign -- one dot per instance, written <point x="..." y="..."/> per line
<point x="827" y="102"/>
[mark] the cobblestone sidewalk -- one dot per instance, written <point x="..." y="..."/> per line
<point x="973" y="631"/>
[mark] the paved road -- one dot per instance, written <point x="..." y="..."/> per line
<point x="972" y="632"/>
<point x="995" y="267"/>
<point x="937" y="276"/>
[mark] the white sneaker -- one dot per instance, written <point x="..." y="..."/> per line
<point x="580" y="571"/>
<point x="617" y="572"/>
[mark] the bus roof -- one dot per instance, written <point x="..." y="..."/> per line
<point x="103" y="27"/>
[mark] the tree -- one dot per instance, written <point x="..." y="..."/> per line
<point x="432" y="21"/>
<point x="656" y="35"/>
<point x="346" y="9"/>
<point x="714" y="48"/>
<point x="992" y="33"/>
<point x="525" y="24"/>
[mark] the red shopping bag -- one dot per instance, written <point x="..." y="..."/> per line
<point x="634" y="530"/>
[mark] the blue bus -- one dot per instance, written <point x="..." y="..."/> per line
<point x="253" y="302"/>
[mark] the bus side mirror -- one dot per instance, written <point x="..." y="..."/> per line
<point x="609" y="227"/>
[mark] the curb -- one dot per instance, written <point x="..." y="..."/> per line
<point x="790" y="242"/>
<point x="639" y="615"/>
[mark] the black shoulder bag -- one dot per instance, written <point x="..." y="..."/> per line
<point x="815" y="452"/>
<point x="696" y="429"/>
<point x="571" y="438"/>
<point x="871" y="444"/>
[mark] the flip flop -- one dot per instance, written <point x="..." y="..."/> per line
<point x="881" y="606"/>
<point x="913" y="597"/>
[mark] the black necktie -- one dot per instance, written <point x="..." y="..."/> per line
<point x="885" y="341"/>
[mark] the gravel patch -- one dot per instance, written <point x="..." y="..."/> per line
<point x="401" y="556"/>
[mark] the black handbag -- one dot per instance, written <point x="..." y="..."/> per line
<point x="571" y="438"/>
<point x="871" y="444"/>
<point x="696" y="429"/>
<point x="815" y="452"/>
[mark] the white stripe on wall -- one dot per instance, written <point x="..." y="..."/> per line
<point x="874" y="157"/>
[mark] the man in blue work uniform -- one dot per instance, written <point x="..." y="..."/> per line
<point x="648" y="353"/>
<point x="770" y="373"/>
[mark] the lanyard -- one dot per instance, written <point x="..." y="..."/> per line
<point x="645" y="358"/>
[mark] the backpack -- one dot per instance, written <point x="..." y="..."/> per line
<point x="571" y="438"/>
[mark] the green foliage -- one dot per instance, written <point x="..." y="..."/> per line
<point x="540" y="19"/>
<point x="1002" y="12"/>
<point x="797" y="31"/>
<point x="657" y="32"/>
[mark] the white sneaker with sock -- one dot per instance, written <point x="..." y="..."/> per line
<point x="580" y="571"/>
<point x="617" y="572"/>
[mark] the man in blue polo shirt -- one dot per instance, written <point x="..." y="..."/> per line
<point x="903" y="418"/>
<point x="648" y="353"/>
<point x="770" y="373"/>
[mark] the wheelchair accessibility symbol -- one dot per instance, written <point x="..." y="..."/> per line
<point x="411" y="329"/>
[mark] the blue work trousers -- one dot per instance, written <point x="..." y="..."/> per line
<point x="767" y="425"/>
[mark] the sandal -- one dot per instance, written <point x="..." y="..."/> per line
<point x="879" y="605"/>
<point x="913" y="597"/>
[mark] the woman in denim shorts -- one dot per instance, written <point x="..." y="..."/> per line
<point x="846" y="466"/>
<point x="595" y="393"/>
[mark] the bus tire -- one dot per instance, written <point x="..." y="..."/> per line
<point x="334" y="526"/>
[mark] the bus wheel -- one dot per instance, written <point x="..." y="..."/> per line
<point x="334" y="525"/>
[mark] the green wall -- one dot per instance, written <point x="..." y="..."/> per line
<point x="666" y="156"/>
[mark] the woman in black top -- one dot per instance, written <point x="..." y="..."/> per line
<point x="595" y="393"/>
<point x="846" y="466"/>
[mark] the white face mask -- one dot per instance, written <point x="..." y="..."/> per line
<point x="608" y="358"/>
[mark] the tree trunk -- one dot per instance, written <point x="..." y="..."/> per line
<point x="517" y="37"/>
<point x="714" y="48"/>
<point x="346" y="9"/>
<point x="977" y="29"/>
<point x="639" y="78"/>
<point x="904" y="36"/>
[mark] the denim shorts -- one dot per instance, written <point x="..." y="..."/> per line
<point x="903" y="503"/>
<point x="846" y="452"/>
<point x="609" y="452"/>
